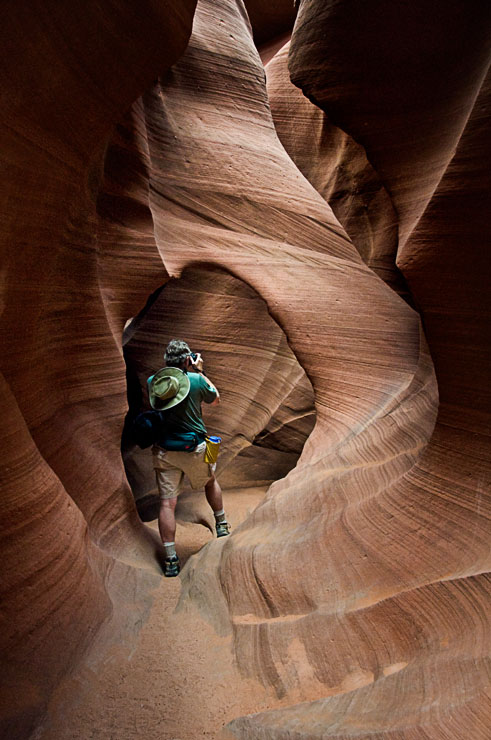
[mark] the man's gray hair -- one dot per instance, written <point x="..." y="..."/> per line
<point x="176" y="353"/>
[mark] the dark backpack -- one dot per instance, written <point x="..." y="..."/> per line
<point x="146" y="428"/>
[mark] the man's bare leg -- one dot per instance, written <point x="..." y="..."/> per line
<point x="214" y="494"/>
<point x="167" y="519"/>
<point x="214" y="497"/>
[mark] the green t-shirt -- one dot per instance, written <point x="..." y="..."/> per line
<point x="186" y="416"/>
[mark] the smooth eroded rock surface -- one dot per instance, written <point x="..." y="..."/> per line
<point x="338" y="168"/>
<point x="66" y="506"/>
<point x="353" y="600"/>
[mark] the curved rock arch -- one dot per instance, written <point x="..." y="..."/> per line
<point x="267" y="409"/>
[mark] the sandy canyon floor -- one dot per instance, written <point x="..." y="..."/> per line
<point x="159" y="686"/>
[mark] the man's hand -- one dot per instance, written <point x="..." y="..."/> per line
<point x="198" y="363"/>
<point x="194" y="365"/>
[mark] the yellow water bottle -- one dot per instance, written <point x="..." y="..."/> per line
<point x="212" y="449"/>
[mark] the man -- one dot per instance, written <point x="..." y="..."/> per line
<point x="178" y="389"/>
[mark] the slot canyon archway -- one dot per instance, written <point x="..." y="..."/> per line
<point x="139" y="141"/>
<point x="267" y="410"/>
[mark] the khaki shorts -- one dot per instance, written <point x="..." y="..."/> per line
<point x="171" y="467"/>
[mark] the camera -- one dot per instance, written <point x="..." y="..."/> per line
<point x="195" y="358"/>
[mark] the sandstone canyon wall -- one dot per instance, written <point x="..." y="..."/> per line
<point x="68" y="74"/>
<point x="358" y="590"/>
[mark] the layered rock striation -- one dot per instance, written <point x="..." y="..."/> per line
<point x="69" y="74"/>
<point x="338" y="168"/>
<point x="357" y="591"/>
<point x="378" y="499"/>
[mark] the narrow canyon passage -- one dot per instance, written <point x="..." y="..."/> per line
<point x="326" y="221"/>
<point x="267" y="402"/>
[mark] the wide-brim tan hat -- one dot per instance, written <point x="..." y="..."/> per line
<point x="167" y="388"/>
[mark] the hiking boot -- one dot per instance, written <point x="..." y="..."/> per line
<point x="171" y="566"/>
<point x="223" y="529"/>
